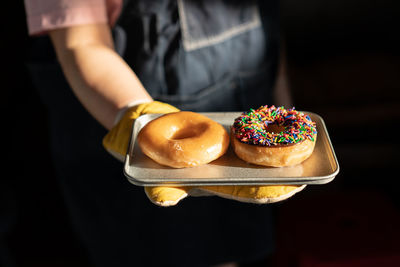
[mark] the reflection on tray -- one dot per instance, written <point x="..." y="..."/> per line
<point x="221" y="167"/>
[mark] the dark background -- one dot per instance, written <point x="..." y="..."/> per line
<point x="343" y="63"/>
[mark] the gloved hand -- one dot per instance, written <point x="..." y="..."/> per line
<point x="117" y="140"/>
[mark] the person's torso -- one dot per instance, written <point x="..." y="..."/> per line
<point x="210" y="55"/>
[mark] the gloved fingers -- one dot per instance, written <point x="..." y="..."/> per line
<point x="169" y="196"/>
<point x="254" y="194"/>
<point x="166" y="196"/>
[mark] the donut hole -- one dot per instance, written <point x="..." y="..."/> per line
<point x="275" y="128"/>
<point x="189" y="131"/>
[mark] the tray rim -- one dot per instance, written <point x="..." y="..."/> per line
<point x="315" y="180"/>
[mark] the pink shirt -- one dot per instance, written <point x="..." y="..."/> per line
<point x="44" y="15"/>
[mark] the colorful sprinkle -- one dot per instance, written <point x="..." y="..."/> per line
<point x="252" y="126"/>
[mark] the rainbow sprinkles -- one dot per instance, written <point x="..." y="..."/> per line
<point x="252" y="127"/>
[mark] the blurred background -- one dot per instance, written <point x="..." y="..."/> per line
<point x="343" y="64"/>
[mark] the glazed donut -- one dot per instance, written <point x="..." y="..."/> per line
<point x="274" y="137"/>
<point x="183" y="139"/>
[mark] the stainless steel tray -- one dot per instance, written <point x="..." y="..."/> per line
<point x="320" y="168"/>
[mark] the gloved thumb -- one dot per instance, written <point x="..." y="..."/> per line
<point x="117" y="139"/>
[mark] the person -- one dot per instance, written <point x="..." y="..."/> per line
<point x="95" y="61"/>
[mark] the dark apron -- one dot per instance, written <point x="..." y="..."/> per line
<point x="201" y="55"/>
<point x="222" y="57"/>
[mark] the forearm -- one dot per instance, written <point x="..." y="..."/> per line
<point x="98" y="76"/>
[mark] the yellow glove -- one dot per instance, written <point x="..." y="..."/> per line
<point x="170" y="196"/>
<point x="116" y="143"/>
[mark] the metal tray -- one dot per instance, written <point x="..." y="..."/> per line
<point x="320" y="168"/>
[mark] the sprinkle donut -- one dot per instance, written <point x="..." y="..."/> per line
<point x="273" y="136"/>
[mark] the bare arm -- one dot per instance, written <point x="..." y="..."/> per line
<point x="98" y="76"/>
